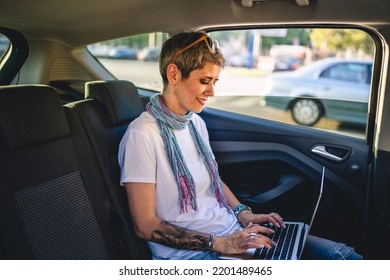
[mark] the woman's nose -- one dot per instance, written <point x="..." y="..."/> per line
<point x="210" y="90"/>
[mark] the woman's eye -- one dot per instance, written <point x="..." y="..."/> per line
<point x="204" y="82"/>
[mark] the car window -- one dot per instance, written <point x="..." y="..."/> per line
<point x="351" y="72"/>
<point x="298" y="76"/>
<point x="133" y="58"/>
<point x="4" y="45"/>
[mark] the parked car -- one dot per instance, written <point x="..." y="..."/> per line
<point x="149" y="54"/>
<point x="60" y="196"/>
<point x="333" y="88"/>
<point x="122" y="52"/>
<point x="287" y="63"/>
<point x="240" y="60"/>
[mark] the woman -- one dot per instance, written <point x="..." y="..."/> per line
<point x="177" y="201"/>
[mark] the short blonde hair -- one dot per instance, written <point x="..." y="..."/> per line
<point x="189" y="60"/>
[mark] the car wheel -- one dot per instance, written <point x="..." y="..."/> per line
<point x="306" y="111"/>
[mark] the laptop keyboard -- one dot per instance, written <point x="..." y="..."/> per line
<point x="284" y="238"/>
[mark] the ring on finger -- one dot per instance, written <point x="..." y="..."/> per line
<point x="252" y="235"/>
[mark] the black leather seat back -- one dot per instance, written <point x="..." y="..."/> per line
<point x="109" y="108"/>
<point x="52" y="205"/>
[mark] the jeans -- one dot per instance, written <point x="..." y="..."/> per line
<point x="316" y="248"/>
<point x="206" y="255"/>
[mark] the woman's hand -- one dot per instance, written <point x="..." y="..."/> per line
<point x="240" y="241"/>
<point x="247" y="217"/>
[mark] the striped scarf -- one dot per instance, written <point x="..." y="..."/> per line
<point x="168" y="121"/>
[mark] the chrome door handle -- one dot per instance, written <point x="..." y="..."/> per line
<point x="321" y="151"/>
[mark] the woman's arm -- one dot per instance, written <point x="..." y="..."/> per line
<point x="229" y="196"/>
<point x="246" y="217"/>
<point x="141" y="197"/>
<point x="148" y="226"/>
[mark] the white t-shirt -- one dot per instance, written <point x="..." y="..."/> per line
<point x="142" y="158"/>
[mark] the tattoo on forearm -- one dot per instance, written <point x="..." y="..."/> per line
<point x="180" y="238"/>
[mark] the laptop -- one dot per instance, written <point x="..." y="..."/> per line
<point x="289" y="240"/>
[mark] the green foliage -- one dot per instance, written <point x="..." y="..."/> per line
<point x="333" y="40"/>
<point x="295" y="36"/>
<point x="137" y="41"/>
<point x="341" y="39"/>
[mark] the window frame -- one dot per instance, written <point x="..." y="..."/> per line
<point x="15" y="57"/>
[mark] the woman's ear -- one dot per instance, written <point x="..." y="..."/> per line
<point x="173" y="74"/>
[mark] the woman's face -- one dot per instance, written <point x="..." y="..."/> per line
<point x="193" y="92"/>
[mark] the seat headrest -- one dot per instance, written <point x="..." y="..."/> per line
<point x="120" y="99"/>
<point x="31" y="114"/>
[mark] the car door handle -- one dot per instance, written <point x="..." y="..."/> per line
<point x="321" y="151"/>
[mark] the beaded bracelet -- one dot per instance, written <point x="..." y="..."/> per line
<point x="239" y="208"/>
<point x="211" y="242"/>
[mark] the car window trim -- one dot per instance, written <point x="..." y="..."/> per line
<point x="15" y="57"/>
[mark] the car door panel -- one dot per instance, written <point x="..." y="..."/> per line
<point x="270" y="167"/>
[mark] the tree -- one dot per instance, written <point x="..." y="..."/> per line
<point x="341" y="42"/>
<point x="295" y="36"/>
